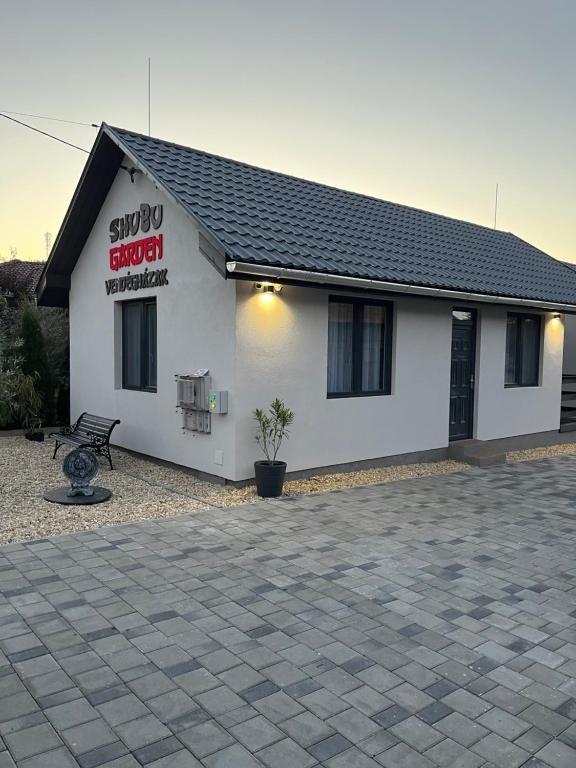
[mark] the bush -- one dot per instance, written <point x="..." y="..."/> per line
<point x="273" y="428"/>
<point x="35" y="361"/>
<point x="20" y="402"/>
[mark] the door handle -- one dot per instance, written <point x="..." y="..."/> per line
<point x="471" y="381"/>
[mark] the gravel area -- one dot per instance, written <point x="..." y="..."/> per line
<point x="533" y="454"/>
<point x="141" y="489"/>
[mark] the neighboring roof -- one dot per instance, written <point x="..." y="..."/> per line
<point x="266" y="218"/>
<point x="19" y="277"/>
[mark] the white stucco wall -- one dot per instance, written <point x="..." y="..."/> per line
<point x="506" y="411"/>
<point x="282" y="351"/>
<point x="569" y="364"/>
<point x="195" y="321"/>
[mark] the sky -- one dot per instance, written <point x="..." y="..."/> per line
<point x="430" y="103"/>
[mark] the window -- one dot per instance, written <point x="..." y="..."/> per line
<point x="139" y="345"/>
<point x="359" y="347"/>
<point x="522" y="350"/>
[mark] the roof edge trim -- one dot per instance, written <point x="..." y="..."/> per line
<point x="151" y="176"/>
<point x="300" y="275"/>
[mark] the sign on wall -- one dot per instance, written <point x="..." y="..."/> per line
<point x="144" y="250"/>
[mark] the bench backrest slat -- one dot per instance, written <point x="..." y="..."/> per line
<point x="96" y="425"/>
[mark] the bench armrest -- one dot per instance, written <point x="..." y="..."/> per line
<point x="96" y="440"/>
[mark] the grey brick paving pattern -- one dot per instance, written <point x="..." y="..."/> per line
<point x="425" y="623"/>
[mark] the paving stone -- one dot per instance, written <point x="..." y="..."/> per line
<point x="545" y="719"/>
<point x="461" y="729"/>
<point x="433" y="713"/>
<point x="241" y="677"/>
<point x="367" y="700"/>
<point x="449" y="754"/>
<point x="416" y="734"/>
<point x="32" y="741"/>
<point x="16" y="705"/>
<point x="403" y="756"/>
<point x="152" y="685"/>
<point x="158" y="750"/>
<point x="102" y="755"/>
<point x="500" y="752"/>
<point x="306" y="729"/>
<point x="558" y="755"/>
<point x="182" y="759"/>
<point x="278" y="707"/>
<point x="391" y="716"/>
<point x="56" y="758"/>
<point x="141" y="732"/>
<point x="88" y="736"/>
<point x="409" y="697"/>
<point x="333" y="745"/>
<point x="122" y="709"/>
<point x="466" y="703"/>
<point x="533" y="740"/>
<point x="506" y="725"/>
<point x="285" y="754"/>
<point x="219" y="700"/>
<point x="71" y="713"/>
<point x="337" y="681"/>
<point x="323" y="703"/>
<point x="206" y="738"/>
<point x="171" y="705"/>
<point x="352" y="758"/>
<point x="256" y="733"/>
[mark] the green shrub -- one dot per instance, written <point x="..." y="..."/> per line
<point x="273" y="428"/>
<point x="35" y="361"/>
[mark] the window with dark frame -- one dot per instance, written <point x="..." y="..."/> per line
<point x="139" y="345"/>
<point x="359" y="347"/>
<point x="522" y="350"/>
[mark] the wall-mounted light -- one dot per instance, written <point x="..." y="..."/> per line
<point x="267" y="287"/>
<point x="556" y="315"/>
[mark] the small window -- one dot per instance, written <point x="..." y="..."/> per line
<point x="139" y="345"/>
<point x="522" y="350"/>
<point x="359" y="347"/>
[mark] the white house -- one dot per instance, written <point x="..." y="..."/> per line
<point x="390" y="331"/>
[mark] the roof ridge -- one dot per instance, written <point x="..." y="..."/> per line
<point x="320" y="184"/>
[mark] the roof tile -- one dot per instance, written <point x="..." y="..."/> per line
<point x="261" y="216"/>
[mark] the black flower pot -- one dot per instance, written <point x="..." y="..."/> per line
<point x="35" y="436"/>
<point x="269" y="478"/>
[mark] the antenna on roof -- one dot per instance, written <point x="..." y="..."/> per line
<point x="148" y="95"/>
<point x="496" y="208"/>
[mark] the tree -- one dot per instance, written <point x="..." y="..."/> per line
<point x="35" y="360"/>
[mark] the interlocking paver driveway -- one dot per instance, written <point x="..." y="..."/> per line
<point x="424" y="623"/>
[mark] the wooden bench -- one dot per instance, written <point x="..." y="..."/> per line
<point x="90" y="432"/>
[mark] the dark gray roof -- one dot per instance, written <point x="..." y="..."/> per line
<point x="267" y="218"/>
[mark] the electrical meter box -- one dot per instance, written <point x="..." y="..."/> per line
<point x="218" y="401"/>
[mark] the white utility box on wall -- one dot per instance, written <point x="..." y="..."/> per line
<point x="218" y="401"/>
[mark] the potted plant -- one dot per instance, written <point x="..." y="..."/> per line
<point x="272" y="429"/>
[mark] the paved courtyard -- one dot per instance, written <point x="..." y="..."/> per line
<point x="425" y="623"/>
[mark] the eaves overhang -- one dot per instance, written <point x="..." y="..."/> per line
<point x="99" y="172"/>
<point x="246" y="270"/>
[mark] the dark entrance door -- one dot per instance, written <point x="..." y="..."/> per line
<point x="462" y="373"/>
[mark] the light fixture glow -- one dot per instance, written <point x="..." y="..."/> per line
<point x="267" y="287"/>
